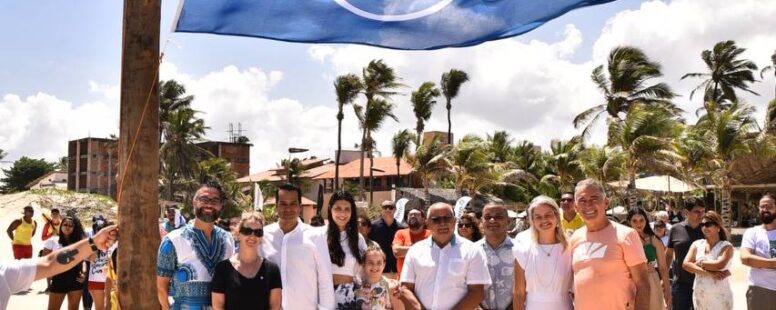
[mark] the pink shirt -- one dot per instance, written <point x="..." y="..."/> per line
<point x="600" y="262"/>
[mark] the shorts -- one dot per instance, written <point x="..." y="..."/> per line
<point x="96" y="286"/>
<point x="22" y="251"/>
<point x="760" y="298"/>
<point x="344" y="296"/>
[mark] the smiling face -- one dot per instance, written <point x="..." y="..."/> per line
<point x="341" y="213"/>
<point x="207" y="204"/>
<point x="638" y="222"/>
<point x="709" y="228"/>
<point x="249" y="240"/>
<point x="495" y="220"/>
<point x="466" y="228"/>
<point x="544" y="218"/>
<point x="374" y="264"/>
<point x="441" y="222"/>
<point x="567" y="203"/>
<point x="591" y="204"/>
<point x="288" y="208"/>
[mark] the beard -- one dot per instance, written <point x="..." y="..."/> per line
<point x="414" y="223"/>
<point x="207" y="218"/>
<point x="767" y="217"/>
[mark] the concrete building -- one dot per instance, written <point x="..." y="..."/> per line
<point x="237" y="154"/>
<point x="92" y="166"/>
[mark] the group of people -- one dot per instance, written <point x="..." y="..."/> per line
<point x="83" y="282"/>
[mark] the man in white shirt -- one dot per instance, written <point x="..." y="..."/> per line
<point x="301" y="253"/>
<point x="758" y="250"/>
<point x="18" y="275"/>
<point x="444" y="272"/>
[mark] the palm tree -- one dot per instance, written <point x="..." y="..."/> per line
<point x="423" y="101"/>
<point x="179" y="153"/>
<point x="172" y="96"/>
<point x="771" y="67"/>
<point x="629" y="75"/>
<point x="3" y="154"/>
<point x="646" y="137"/>
<point x="451" y="83"/>
<point x="371" y="120"/>
<point x="604" y="164"/>
<point x="380" y="83"/>
<point x="770" y="117"/>
<point x="400" y="144"/>
<point x="564" y="163"/>
<point x="726" y="73"/>
<point x="470" y="163"/>
<point x="499" y="146"/>
<point x="347" y="88"/>
<point x="732" y="134"/>
<point x="430" y="161"/>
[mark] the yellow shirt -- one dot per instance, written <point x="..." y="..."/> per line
<point x="23" y="233"/>
<point x="570" y="226"/>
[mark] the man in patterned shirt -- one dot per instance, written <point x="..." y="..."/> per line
<point x="498" y="251"/>
<point x="190" y="254"/>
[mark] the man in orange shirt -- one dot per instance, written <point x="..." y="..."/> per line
<point x="406" y="237"/>
<point x="607" y="257"/>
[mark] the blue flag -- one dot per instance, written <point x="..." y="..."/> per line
<point x="397" y="24"/>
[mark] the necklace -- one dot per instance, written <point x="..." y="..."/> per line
<point x="545" y="252"/>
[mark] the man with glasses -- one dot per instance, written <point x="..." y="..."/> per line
<point x="570" y="220"/>
<point x="406" y="237"/>
<point x="498" y="253"/>
<point x="680" y="238"/>
<point x="758" y="250"/>
<point x="383" y="231"/>
<point x="444" y="271"/>
<point x="607" y="258"/>
<point x="301" y="253"/>
<point x="191" y="253"/>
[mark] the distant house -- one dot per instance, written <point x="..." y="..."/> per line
<point x="237" y="154"/>
<point x="92" y="166"/>
<point x="53" y="179"/>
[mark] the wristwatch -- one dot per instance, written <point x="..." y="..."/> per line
<point x="93" y="245"/>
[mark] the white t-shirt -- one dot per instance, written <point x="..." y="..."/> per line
<point x="52" y="243"/>
<point x="15" y="276"/>
<point x="763" y="244"/>
<point x="441" y="276"/>
<point x="547" y="277"/>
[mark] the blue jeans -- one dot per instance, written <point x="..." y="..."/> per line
<point x="681" y="295"/>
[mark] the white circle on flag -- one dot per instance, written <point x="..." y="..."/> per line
<point x="397" y="17"/>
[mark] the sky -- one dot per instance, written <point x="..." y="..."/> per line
<point x="60" y="71"/>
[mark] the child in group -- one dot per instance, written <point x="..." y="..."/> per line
<point x="377" y="292"/>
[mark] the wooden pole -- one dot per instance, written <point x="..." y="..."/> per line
<point x="139" y="155"/>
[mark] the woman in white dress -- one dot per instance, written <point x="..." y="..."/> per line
<point x="709" y="259"/>
<point x="542" y="261"/>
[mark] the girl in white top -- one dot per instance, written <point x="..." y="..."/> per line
<point x="709" y="259"/>
<point x="346" y="248"/>
<point x="542" y="261"/>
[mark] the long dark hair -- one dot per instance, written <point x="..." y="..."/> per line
<point x="639" y="211"/>
<point x="714" y="217"/>
<point x="78" y="231"/>
<point x="476" y="233"/>
<point x="336" y="253"/>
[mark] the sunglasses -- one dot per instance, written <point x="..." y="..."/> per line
<point x="708" y="224"/>
<point x="389" y="207"/>
<point x="441" y="219"/>
<point x="465" y="225"/>
<point x="566" y="199"/>
<point x="258" y="232"/>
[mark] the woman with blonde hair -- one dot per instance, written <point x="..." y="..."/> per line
<point x="246" y="280"/>
<point x="542" y="260"/>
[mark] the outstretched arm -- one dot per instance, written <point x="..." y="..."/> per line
<point x="61" y="260"/>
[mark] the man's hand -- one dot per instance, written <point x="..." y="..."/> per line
<point x="105" y="238"/>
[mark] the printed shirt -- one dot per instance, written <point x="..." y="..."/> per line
<point x="501" y="268"/>
<point x="186" y="256"/>
<point x="305" y="267"/>
<point x="442" y="275"/>
<point x="600" y="261"/>
<point x="570" y="226"/>
<point x="763" y="244"/>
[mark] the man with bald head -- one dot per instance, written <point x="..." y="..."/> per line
<point x="607" y="257"/>
<point x="444" y="271"/>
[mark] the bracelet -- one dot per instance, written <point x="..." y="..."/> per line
<point x="93" y="245"/>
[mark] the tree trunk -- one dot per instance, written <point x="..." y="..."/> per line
<point x="449" y="124"/>
<point x="371" y="178"/>
<point x="726" y="204"/>
<point x="427" y="193"/>
<point x="419" y="129"/>
<point x="398" y="173"/>
<point x="633" y="194"/>
<point x="361" y="168"/>
<point x="339" y="149"/>
<point x="139" y="163"/>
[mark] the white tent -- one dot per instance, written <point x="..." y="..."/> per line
<point x="658" y="183"/>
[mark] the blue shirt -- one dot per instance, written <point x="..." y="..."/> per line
<point x="190" y="260"/>
<point x="501" y="261"/>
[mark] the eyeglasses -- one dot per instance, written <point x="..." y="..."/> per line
<point x="209" y="201"/>
<point x="258" y="232"/>
<point x="389" y="207"/>
<point x="567" y="200"/>
<point x="465" y="225"/>
<point x="441" y="219"/>
<point x="708" y="224"/>
<point x="496" y="217"/>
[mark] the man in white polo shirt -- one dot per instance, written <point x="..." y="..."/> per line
<point x="758" y="250"/>
<point x="444" y="271"/>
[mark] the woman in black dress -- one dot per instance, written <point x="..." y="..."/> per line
<point x="246" y="280"/>
<point x="69" y="283"/>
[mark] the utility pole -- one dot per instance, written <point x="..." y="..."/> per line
<point x="139" y="163"/>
